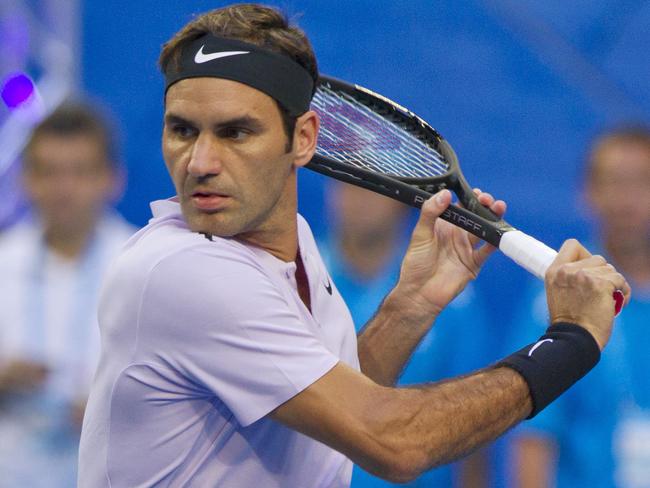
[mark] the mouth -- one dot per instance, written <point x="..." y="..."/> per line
<point x="208" y="201"/>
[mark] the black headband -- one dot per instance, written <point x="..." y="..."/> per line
<point x="278" y="76"/>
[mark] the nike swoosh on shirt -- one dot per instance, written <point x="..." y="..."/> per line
<point x="202" y="57"/>
<point x="537" y="344"/>
<point x="328" y="286"/>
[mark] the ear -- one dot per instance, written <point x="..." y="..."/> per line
<point x="117" y="183"/>
<point x="590" y="195"/>
<point x="305" y="137"/>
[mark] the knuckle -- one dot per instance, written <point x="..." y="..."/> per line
<point x="582" y="276"/>
<point x="562" y="273"/>
<point x="571" y="242"/>
<point x="600" y="260"/>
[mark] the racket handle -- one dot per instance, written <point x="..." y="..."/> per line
<point x="529" y="253"/>
<point x="535" y="257"/>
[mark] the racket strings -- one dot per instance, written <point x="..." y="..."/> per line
<point x="353" y="133"/>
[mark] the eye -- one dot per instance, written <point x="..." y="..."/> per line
<point x="183" y="131"/>
<point x="234" y="133"/>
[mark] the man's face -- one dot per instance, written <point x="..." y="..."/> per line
<point x="69" y="180"/>
<point x="225" y="148"/>
<point x="619" y="187"/>
<point x="366" y="213"/>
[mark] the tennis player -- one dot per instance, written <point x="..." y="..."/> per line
<point x="228" y="356"/>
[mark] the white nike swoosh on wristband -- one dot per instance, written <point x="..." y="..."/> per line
<point x="537" y="344"/>
<point x="202" y="57"/>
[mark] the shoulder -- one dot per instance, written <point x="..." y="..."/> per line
<point x="164" y="250"/>
<point x="114" y="224"/>
<point x="18" y="241"/>
<point x="174" y="280"/>
<point x="169" y="260"/>
<point x="222" y="262"/>
<point x="113" y="231"/>
<point x="17" y="233"/>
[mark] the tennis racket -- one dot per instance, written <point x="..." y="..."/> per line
<point x="370" y="141"/>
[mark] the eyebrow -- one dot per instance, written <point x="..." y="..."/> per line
<point x="246" y="121"/>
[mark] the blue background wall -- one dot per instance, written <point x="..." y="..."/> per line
<point x="517" y="87"/>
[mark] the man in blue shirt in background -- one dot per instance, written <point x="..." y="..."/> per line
<point x="367" y="238"/>
<point x="598" y="433"/>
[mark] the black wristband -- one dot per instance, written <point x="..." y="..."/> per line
<point x="555" y="362"/>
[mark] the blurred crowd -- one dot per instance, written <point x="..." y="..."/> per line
<point x="53" y="260"/>
<point x="51" y="269"/>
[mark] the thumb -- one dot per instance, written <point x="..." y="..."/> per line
<point x="570" y="252"/>
<point x="431" y="210"/>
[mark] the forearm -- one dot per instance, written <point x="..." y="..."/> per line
<point x="398" y="433"/>
<point x="386" y="343"/>
<point x="439" y="423"/>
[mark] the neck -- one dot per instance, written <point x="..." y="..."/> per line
<point x="69" y="245"/>
<point x="278" y="234"/>
<point x="632" y="256"/>
<point x="281" y="243"/>
<point x="367" y="253"/>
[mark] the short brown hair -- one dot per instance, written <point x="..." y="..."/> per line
<point x="252" y="23"/>
<point x="255" y="24"/>
<point x="72" y="119"/>
<point x="632" y="134"/>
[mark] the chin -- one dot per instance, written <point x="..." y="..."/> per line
<point x="213" y="224"/>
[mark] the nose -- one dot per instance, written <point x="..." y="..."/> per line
<point x="205" y="159"/>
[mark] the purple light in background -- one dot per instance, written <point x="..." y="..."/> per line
<point x="16" y="89"/>
<point x="14" y="38"/>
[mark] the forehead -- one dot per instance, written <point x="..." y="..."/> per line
<point x="198" y="98"/>
<point x="52" y="148"/>
<point x="622" y="156"/>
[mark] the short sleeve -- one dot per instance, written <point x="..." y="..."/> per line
<point x="222" y="323"/>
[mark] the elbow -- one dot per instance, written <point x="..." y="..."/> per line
<point x="385" y="449"/>
<point x="396" y="466"/>
<point x="398" y="471"/>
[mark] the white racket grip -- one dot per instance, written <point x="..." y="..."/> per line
<point x="529" y="253"/>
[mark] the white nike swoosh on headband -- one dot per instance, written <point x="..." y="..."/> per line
<point x="201" y="57"/>
<point x="537" y="344"/>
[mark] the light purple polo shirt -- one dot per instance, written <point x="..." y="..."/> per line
<point x="201" y="339"/>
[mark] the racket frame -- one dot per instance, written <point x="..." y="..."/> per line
<point x="474" y="217"/>
<point x="528" y="252"/>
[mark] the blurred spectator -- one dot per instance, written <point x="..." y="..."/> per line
<point x="50" y="273"/>
<point x="598" y="433"/>
<point x="368" y="235"/>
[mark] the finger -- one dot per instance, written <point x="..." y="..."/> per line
<point x="596" y="261"/>
<point x="499" y="208"/>
<point x="605" y="273"/>
<point x="485" y="199"/>
<point x="617" y="280"/>
<point x="431" y="210"/>
<point x="482" y="253"/>
<point x="622" y="292"/>
<point x="570" y="251"/>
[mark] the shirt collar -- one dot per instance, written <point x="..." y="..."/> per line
<point x="169" y="207"/>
